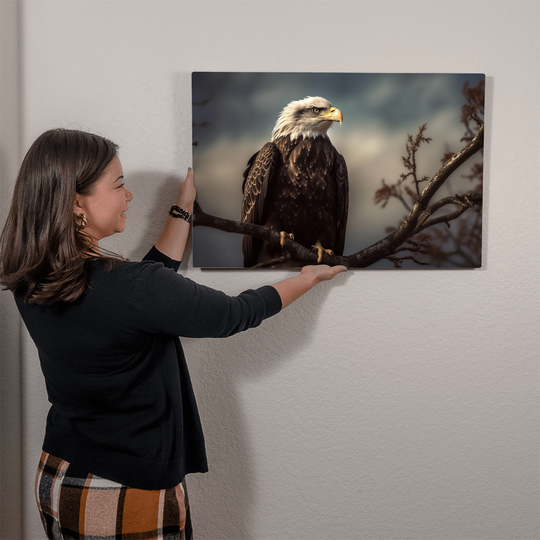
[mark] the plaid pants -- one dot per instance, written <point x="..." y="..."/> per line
<point x="93" y="508"/>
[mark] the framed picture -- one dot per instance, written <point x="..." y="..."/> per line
<point x="367" y="170"/>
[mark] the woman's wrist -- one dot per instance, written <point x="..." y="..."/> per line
<point x="309" y="273"/>
<point x="184" y="206"/>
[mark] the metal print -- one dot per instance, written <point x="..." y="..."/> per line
<point x="360" y="169"/>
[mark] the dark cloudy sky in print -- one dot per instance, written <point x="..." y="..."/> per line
<point x="234" y="113"/>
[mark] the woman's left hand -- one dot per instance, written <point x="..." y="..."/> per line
<point x="186" y="193"/>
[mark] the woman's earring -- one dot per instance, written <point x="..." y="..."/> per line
<point x="83" y="223"/>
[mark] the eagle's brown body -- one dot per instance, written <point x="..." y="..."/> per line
<point x="299" y="186"/>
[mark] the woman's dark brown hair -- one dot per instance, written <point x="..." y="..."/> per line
<point x="43" y="251"/>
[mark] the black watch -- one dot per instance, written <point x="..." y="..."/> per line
<point x="178" y="212"/>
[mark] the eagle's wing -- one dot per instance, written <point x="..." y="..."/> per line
<point x="342" y="180"/>
<point x="257" y="177"/>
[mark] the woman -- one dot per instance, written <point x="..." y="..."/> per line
<point x="123" y="428"/>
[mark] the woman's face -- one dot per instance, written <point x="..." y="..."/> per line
<point x="105" y="208"/>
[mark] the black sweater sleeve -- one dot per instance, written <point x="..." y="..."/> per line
<point x="166" y="302"/>
<point x="155" y="255"/>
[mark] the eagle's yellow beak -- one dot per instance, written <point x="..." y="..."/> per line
<point x="332" y="114"/>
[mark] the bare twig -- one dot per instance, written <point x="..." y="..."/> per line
<point x="384" y="194"/>
<point x="398" y="260"/>
<point x="273" y="262"/>
<point x="410" y="161"/>
<point x="469" y="200"/>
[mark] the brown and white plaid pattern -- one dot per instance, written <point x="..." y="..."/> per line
<point x="94" y="508"/>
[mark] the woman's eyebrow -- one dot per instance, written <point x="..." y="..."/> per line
<point x="119" y="178"/>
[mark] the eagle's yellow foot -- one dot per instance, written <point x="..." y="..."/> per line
<point x="320" y="250"/>
<point x="284" y="235"/>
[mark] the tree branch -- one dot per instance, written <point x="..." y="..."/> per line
<point x="293" y="249"/>
<point x="469" y="200"/>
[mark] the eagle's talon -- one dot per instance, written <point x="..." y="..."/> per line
<point x="320" y="250"/>
<point x="283" y="235"/>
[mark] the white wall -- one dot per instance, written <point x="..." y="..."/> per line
<point x="387" y="404"/>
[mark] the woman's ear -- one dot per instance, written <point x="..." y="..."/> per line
<point x="77" y="206"/>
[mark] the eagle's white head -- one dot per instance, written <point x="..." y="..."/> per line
<point x="309" y="117"/>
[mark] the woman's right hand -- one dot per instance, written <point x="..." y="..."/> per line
<point x="292" y="288"/>
<point x="322" y="272"/>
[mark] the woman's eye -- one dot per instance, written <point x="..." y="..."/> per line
<point x="316" y="110"/>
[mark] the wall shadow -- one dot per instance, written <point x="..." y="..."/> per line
<point x="219" y="369"/>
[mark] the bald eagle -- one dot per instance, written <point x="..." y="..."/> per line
<point x="297" y="184"/>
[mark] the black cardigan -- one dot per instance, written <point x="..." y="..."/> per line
<point x="122" y="404"/>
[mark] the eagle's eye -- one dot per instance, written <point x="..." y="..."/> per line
<point x="316" y="110"/>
